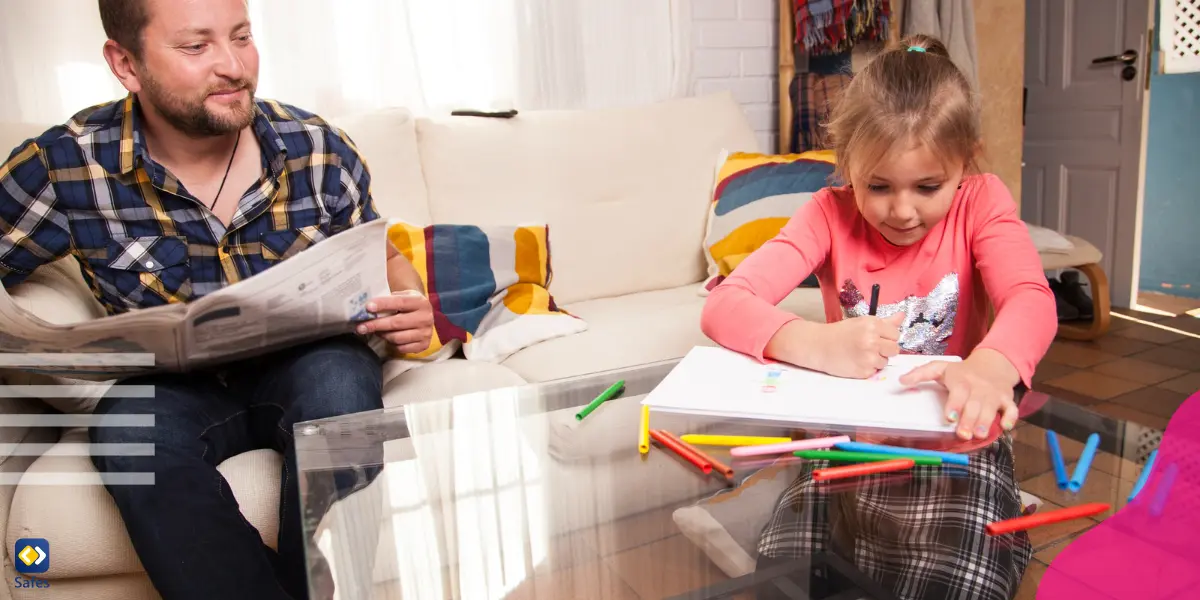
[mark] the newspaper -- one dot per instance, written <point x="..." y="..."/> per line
<point x="320" y="292"/>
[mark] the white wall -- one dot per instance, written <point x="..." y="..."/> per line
<point x="734" y="44"/>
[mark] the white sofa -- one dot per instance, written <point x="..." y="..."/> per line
<point x="626" y="194"/>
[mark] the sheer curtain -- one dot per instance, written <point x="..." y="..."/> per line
<point x="336" y="57"/>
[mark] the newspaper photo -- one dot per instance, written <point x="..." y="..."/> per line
<point x="320" y="292"/>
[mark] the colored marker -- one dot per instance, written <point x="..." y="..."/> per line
<point x="843" y="456"/>
<point x="731" y="440"/>
<point x="789" y="446"/>
<point x="1045" y="518"/>
<point x="717" y="465"/>
<point x="644" y="430"/>
<point x="947" y="457"/>
<point x="1085" y="463"/>
<point x="883" y="466"/>
<point x="1056" y="459"/>
<point x="1141" y="480"/>
<point x="874" y="300"/>
<point x="873" y="483"/>
<point x="676" y="446"/>
<point x="604" y="396"/>
<point x="1162" y="489"/>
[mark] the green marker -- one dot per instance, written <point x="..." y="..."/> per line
<point x="843" y="456"/>
<point x="604" y="396"/>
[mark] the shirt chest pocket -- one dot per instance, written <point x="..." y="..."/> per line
<point x="284" y="244"/>
<point x="140" y="272"/>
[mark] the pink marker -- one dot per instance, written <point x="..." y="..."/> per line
<point x="786" y="447"/>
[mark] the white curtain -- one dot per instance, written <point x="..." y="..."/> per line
<point x="335" y="57"/>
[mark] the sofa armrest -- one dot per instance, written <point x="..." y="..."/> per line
<point x="57" y="293"/>
<point x="12" y="466"/>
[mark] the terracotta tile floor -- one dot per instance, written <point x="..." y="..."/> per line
<point x="1137" y="372"/>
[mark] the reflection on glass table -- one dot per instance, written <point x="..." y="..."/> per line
<point x="505" y="494"/>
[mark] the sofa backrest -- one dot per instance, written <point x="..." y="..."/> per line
<point x="387" y="140"/>
<point x="625" y="191"/>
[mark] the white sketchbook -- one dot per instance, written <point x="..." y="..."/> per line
<point x="721" y="383"/>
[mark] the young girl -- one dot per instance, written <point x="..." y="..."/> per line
<point x="940" y="240"/>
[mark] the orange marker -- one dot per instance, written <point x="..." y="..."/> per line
<point x="679" y="448"/>
<point x="883" y="466"/>
<point x="724" y="469"/>
<point x="1045" y="518"/>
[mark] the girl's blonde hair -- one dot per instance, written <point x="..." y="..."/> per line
<point x="909" y="93"/>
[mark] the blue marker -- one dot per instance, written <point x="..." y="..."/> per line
<point x="1085" y="463"/>
<point x="1056" y="459"/>
<point x="947" y="457"/>
<point x="1163" y="488"/>
<point x="1141" y="480"/>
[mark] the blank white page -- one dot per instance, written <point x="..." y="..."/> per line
<point x="722" y="383"/>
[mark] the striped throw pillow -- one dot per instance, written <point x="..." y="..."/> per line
<point x="489" y="287"/>
<point x="753" y="198"/>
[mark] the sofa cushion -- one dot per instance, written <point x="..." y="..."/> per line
<point x="487" y="285"/>
<point x="86" y="514"/>
<point x="387" y="140"/>
<point x="754" y="197"/>
<point x="625" y="190"/>
<point x="634" y="329"/>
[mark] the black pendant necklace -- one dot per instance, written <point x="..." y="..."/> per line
<point x="227" y="167"/>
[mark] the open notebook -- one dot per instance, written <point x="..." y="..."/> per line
<point x="722" y="383"/>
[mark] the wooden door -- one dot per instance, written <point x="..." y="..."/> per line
<point x="1085" y="74"/>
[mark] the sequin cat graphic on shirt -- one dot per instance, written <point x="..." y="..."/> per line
<point x="928" y="321"/>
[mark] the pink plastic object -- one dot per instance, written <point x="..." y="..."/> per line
<point x="786" y="447"/>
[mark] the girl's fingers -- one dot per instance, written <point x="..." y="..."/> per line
<point x="970" y="416"/>
<point x="1009" y="418"/>
<point x="956" y="400"/>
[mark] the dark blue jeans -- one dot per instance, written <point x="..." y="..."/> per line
<point x="187" y="529"/>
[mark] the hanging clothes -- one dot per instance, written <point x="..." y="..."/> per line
<point x="813" y="95"/>
<point x="951" y="21"/>
<point x="825" y="27"/>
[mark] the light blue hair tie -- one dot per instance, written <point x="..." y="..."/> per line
<point x="915" y="49"/>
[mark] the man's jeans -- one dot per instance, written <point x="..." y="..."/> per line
<point x="186" y="527"/>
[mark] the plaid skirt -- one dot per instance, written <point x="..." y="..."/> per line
<point x="919" y="535"/>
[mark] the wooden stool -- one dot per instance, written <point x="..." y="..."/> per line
<point x="1085" y="258"/>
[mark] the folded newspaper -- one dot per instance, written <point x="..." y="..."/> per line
<point x="320" y="292"/>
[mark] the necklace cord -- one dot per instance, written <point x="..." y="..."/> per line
<point x="227" y="167"/>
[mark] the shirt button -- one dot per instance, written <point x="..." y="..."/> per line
<point x="150" y="264"/>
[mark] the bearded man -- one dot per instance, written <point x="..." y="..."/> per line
<point x="188" y="184"/>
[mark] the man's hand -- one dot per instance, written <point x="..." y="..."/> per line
<point x="407" y="322"/>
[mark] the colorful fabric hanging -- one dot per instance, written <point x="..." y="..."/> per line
<point x="834" y="26"/>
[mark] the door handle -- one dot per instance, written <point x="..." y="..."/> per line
<point x="1128" y="57"/>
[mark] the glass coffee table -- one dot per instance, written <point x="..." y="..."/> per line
<point x="505" y="494"/>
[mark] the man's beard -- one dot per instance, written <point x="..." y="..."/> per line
<point x="192" y="117"/>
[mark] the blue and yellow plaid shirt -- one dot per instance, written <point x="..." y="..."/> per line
<point x="90" y="189"/>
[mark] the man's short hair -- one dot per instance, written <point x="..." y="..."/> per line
<point x="124" y="21"/>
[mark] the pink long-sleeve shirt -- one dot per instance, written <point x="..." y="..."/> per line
<point x="981" y="250"/>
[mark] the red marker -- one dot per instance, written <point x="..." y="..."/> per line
<point x="677" y="447"/>
<point x="883" y="466"/>
<point x="1045" y="518"/>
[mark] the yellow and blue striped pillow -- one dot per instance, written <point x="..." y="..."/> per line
<point x="753" y="198"/>
<point x="489" y="287"/>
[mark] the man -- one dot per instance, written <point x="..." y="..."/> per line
<point x="187" y="185"/>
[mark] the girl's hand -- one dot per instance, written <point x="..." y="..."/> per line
<point x="977" y="393"/>
<point x="859" y="347"/>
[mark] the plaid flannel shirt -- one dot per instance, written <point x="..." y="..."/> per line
<point x="90" y="189"/>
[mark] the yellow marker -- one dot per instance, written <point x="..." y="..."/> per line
<point x="644" y="434"/>
<point x="732" y="440"/>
